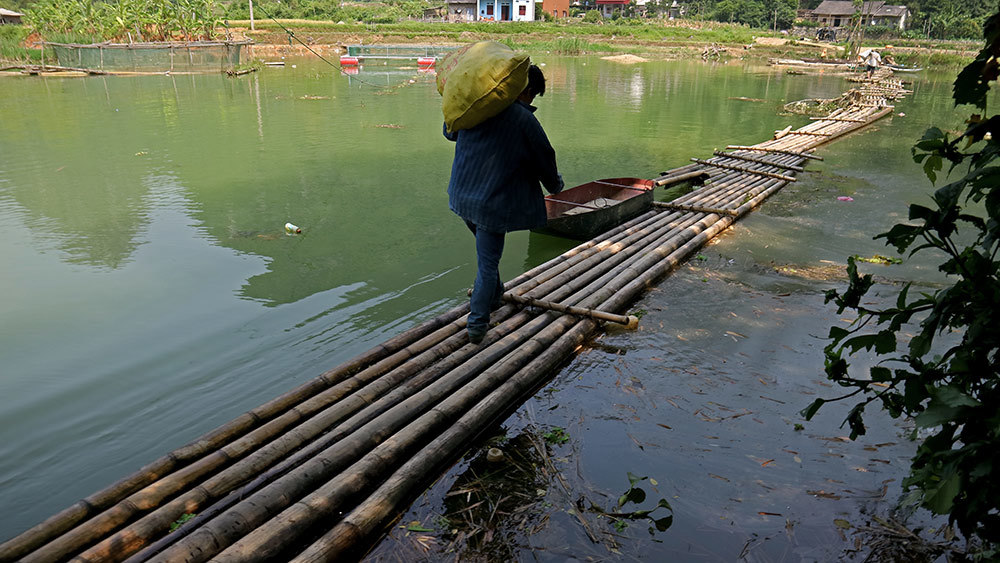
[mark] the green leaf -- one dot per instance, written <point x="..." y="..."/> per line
<point x="635" y="496"/>
<point x="940" y="499"/>
<point x="418" y="528"/>
<point x="953" y="396"/>
<point x="946" y="405"/>
<point x="837" y="333"/>
<point x="920" y="345"/>
<point x="808" y="412"/>
<point x="880" y="374"/>
<point x="633" y="479"/>
<point x="885" y="342"/>
<point x="662" y="524"/>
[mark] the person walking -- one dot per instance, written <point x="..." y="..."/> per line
<point x="872" y="61"/>
<point x="495" y="189"/>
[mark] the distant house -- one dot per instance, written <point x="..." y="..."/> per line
<point x="10" y="17"/>
<point x="507" y="10"/>
<point x="838" y="13"/>
<point x="558" y="8"/>
<point x="675" y="10"/>
<point x="609" y="7"/>
<point x="462" y="10"/>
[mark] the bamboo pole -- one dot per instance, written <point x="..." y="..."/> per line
<point x="744" y="170"/>
<point x="629" y="321"/>
<point x="372" y="514"/>
<point x="757" y="160"/>
<point x="837" y="119"/>
<point x="696" y="208"/>
<point x="763" y="149"/>
<point x="678" y="178"/>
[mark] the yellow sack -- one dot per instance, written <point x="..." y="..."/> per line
<point x="479" y="81"/>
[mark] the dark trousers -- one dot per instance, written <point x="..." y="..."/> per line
<point x="488" y="289"/>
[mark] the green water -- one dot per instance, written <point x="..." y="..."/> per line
<point x="150" y="293"/>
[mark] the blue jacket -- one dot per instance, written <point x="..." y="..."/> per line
<point x="497" y="169"/>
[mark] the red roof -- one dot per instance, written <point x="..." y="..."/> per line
<point x="615" y="2"/>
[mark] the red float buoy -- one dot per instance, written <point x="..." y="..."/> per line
<point x="348" y="60"/>
<point x="426" y="61"/>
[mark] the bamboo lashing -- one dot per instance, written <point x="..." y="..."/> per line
<point x="360" y="438"/>
<point x="744" y="170"/>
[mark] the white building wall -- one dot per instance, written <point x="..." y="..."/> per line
<point x="529" y="10"/>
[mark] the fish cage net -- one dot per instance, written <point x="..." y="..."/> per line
<point x="397" y="51"/>
<point x="200" y="56"/>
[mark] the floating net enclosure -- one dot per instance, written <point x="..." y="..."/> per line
<point x="191" y="56"/>
<point x="397" y="51"/>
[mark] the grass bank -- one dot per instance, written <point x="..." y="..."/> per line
<point x="656" y="38"/>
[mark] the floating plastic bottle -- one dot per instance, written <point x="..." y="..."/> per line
<point x="292" y="229"/>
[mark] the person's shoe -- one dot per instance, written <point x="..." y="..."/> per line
<point x="476" y="335"/>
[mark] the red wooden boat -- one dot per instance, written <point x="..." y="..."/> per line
<point x="584" y="211"/>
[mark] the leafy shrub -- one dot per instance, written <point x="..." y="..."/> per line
<point x="947" y="376"/>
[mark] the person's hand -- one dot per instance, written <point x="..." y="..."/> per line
<point x="561" y="183"/>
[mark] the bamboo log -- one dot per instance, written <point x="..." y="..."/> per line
<point x="764" y="149"/>
<point x="63" y="521"/>
<point x="837" y="119"/>
<point x="629" y="321"/>
<point x="389" y="498"/>
<point x="677" y="179"/>
<point x="809" y="133"/>
<point x="695" y="208"/>
<point x="757" y="160"/>
<point x="744" y="170"/>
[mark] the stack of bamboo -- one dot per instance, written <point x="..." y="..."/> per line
<point x="316" y="473"/>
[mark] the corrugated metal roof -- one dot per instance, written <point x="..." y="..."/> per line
<point x="893" y="11"/>
<point x="845" y="8"/>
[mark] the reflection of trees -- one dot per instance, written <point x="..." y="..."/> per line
<point x="91" y="212"/>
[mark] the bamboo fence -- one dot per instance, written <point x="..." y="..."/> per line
<point x="317" y="473"/>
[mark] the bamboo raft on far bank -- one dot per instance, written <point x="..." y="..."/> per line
<point x="317" y="473"/>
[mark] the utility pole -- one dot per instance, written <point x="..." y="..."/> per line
<point x="251" y="16"/>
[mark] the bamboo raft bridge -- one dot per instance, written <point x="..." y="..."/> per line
<point x="318" y="473"/>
